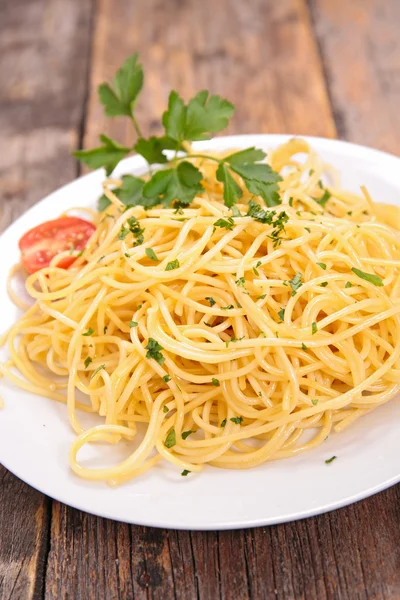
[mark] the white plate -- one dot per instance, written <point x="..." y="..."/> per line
<point x="35" y="433"/>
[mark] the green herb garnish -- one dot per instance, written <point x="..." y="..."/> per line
<point x="154" y="351"/>
<point x="89" y="332"/>
<point x="186" y="434"/>
<point x="223" y="423"/>
<point x="225" y="223"/>
<point x="314" y="328"/>
<point x="215" y="382"/>
<point x="174" y="264"/>
<point x="151" y="254"/>
<point x="88" y="360"/>
<point x="178" y="180"/>
<point x="210" y="300"/>
<point x="331" y="459"/>
<point x="281" y="314"/>
<point x="166" y="378"/>
<point x="322" y="265"/>
<point x="170" y="440"/>
<point x="374" y="279"/>
<point x="237" y="420"/>
<point x="296" y="282"/>
<point x="97" y="371"/>
<point x="133" y="324"/>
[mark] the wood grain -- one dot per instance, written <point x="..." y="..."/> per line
<point x="44" y="49"/>
<point x="261" y="55"/>
<point x="360" y="48"/>
<point x="264" y="56"/>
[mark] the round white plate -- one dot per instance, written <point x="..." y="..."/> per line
<point x="35" y="434"/>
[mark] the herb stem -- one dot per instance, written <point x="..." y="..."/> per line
<point x="218" y="160"/>
<point x="136" y="126"/>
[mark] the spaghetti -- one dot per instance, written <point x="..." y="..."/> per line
<point x="231" y="339"/>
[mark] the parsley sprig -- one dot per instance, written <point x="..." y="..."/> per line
<point x="178" y="181"/>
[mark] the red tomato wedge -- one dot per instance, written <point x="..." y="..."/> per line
<point x="42" y="243"/>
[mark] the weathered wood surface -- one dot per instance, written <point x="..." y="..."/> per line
<point x="314" y="68"/>
<point x="44" y="52"/>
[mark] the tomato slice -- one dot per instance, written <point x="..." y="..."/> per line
<point x="42" y="243"/>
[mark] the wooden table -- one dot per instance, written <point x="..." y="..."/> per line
<point x="322" y="67"/>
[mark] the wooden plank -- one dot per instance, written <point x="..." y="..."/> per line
<point x="43" y="59"/>
<point x="360" y="46"/>
<point x="261" y="55"/>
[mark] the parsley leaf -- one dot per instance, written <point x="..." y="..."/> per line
<point x="174" y="264"/>
<point x="133" y="324"/>
<point x="128" y="83"/>
<point x="314" y="401"/>
<point x="186" y="434"/>
<point x="87" y="362"/>
<point x="108" y="155"/>
<point x="374" y="279"/>
<point x="181" y="183"/>
<point x="281" y="314"/>
<point x="185" y="472"/>
<point x="322" y="265"/>
<point x="303" y="346"/>
<point x="324" y="199"/>
<point x="153" y="148"/>
<point x="210" y="300"/>
<point x="170" y="440"/>
<point x="331" y="459"/>
<point x="241" y="282"/>
<point x="259" y="214"/>
<point x="202" y="116"/>
<point x="260" y="179"/>
<point x="229" y="307"/>
<point x="324" y="284"/>
<point x="90" y="331"/>
<point x="166" y="378"/>
<point x="237" y="420"/>
<point x="206" y="115"/>
<point x="348" y="284"/>
<point x="255" y="269"/>
<point x="154" y="351"/>
<point x="225" y="223"/>
<point x="314" y="328"/>
<point x="151" y="254"/>
<point x="165" y="409"/>
<point x="296" y="282"/>
<point x="223" y="423"/>
<point x="215" y="382"/>
<point x="130" y="193"/>
<point x="232" y="191"/>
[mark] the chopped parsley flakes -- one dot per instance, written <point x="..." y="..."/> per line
<point x="170" y="440"/>
<point x="174" y="264"/>
<point x="151" y="254"/>
<point x="296" y="282"/>
<point x="154" y="351"/>
<point x="225" y="223"/>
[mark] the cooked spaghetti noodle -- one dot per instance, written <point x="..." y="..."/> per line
<point x="230" y="344"/>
